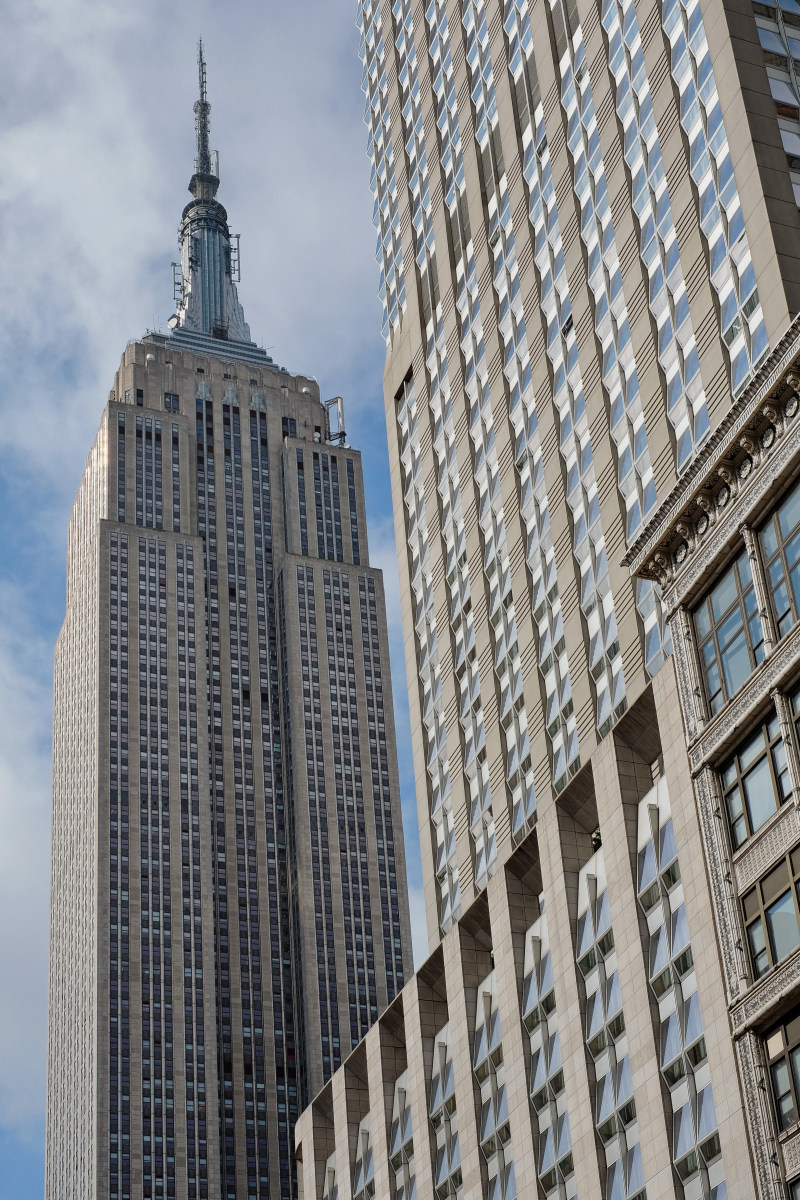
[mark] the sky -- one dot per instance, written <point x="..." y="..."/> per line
<point x="96" y="152"/>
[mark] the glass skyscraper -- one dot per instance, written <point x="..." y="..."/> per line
<point x="229" y="911"/>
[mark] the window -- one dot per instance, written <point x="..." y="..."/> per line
<point x="780" y="543"/>
<point x="783" y="1056"/>
<point x="171" y="402"/>
<point x="729" y="633"/>
<point x="771" y="915"/>
<point x="755" y="781"/>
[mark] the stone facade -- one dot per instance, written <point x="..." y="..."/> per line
<point x="588" y="236"/>
<point x="725" y="510"/>
<point x="593" y="1078"/>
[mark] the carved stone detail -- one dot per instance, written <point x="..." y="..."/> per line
<point x="759" y="1116"/>
<point x="726" y="909"/>
<point x="753" y="448"/>
<point x="791" y="1155"/>
<point x="692" y="702"/>
<point x="760" y="587"/>
<point x="768" y="993"/>
<point x="767" y="847"/>
<point x="744" y="499"/>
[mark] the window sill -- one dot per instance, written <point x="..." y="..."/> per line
<point x="789" y="1142"/>
<point x="763" y="999"/>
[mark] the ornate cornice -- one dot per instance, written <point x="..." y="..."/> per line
<point x="743" y="442"/>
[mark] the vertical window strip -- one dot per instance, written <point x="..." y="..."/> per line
<point x="430" y="682"/>
<point x="669" y="303"/>
<point x="351" y="498"/>
<point x="696" y="1149"/>
<point x="743" y="331"/>
<point x="119" y="845"/>
<point x="452" y="524"/>
<point x="156" y="919"/>
<point x="540" y="1017"/>
<point x="317" y="793"/>
<point x="301" y="500"/>
<point x="176" y="480"/>
<point x="252" y="1014"/>
<point x="277" y="879"/>
<point x="121" y="478"/>
<point x="605" y="1035"/>
<point x="382" y="798"/>
<point x="553" y="665"/>
<point x="386" y="214"/>
<point x="589" y="547"/>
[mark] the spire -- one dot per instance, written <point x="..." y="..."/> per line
<point x="205" y="287"/>
<point x="205" y="180"/>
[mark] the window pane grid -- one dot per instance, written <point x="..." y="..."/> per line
<point x="780" y="544"/>
<point x="729" y="633"/>
<point x="755" y="781"/>
<point x="772" y="915"/>
<point x="783" y="1056"/>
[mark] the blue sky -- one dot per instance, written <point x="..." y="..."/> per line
<point x="96" y="145"/>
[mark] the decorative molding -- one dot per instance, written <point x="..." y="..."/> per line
<point x="767" y="994"/>
<point x="759" y="1117"/>
<point x="679" y="570"/>
<point x="734" y="424"/>
<point x="760" y="586"/>
<point x="791" y="1154"/>
<point x="767" y="846"/>
<point x="727" y="917"/>
<point x="686" y="673"/>
<point x="764" y="680"/>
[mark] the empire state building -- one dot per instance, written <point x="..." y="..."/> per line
<point x="229" y="914"/>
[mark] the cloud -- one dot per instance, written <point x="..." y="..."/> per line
<point x="25" y="706"/>
<point x="97" y="146"/>
<point x="96" y="141"/>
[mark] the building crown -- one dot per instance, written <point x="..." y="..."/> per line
<point x="205" y="279"/>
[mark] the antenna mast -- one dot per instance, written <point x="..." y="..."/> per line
<point x="202" y="111"/>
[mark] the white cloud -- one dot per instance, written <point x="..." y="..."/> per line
<point x="96" y="142"/>
<point x="25" y="706"/>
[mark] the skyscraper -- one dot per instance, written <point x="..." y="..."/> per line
<point x="589" y="245"/>
<point x="228" y="911"/>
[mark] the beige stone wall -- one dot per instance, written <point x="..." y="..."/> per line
<point x="409" y="351"/>
<point x="491" y="937"/>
